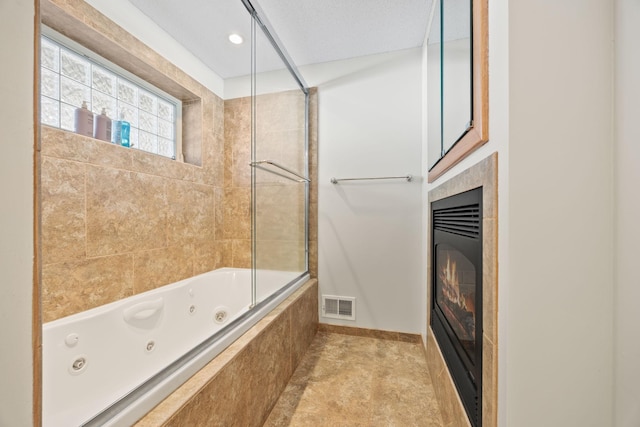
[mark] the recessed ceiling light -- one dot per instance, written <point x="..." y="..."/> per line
<point x="236" y="38"/>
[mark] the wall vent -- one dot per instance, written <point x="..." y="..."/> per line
<point x="339" y="307"/>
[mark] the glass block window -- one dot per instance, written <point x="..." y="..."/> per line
<point x="68" y="78"/>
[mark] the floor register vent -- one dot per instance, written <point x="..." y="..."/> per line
<point x="339" y="307"/>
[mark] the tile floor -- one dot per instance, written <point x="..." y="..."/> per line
<point x="345" y="381"/>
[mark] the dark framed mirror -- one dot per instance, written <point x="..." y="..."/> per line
<point x="457" y="82"/>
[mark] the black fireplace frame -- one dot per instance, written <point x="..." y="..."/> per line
<point x="457" y="221"/>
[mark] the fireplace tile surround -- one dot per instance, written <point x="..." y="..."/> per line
<point x="484" y="174"/>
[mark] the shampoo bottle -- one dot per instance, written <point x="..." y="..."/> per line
<point x="84" y="120"/>
<point x="102" y="126"/>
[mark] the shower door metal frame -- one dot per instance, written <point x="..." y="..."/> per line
<point x="259" y="18"/>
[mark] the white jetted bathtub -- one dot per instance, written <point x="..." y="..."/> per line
<point x="93" y="359"/>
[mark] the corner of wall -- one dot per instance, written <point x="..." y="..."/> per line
<point x="18" y="303"/>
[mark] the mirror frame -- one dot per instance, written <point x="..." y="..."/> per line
<point x="478" y="134"/>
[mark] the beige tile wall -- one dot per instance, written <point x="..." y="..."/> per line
<point x="117" y="221"/>
<point x="113" y="226"/>
<point x="279" y="203"/>
<point x="234" y="200"/>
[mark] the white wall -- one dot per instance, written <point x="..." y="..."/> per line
<point x="627" y="177"/>
<point x="267" y="82"/>
<point x="16" y="214"/>
<point x="559" y="355"/>
<point x="369" y="232"/>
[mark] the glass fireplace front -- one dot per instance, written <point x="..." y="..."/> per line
<point x="456" y="306"/>
<point x="456" y="295"/>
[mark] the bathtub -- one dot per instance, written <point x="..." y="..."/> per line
<point x="112" y="364"/>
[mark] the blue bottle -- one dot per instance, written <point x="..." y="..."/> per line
<point x="125" y="130"/>
<point x="120" y="133"/>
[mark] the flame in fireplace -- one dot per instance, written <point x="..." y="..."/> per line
<point x="460" y="305"/>
<point x="451" y="284"/>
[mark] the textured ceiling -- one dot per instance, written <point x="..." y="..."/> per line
<point x="312" y="31"/>
<point x="326" y="30"/>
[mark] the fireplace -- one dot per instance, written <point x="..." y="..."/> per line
<point x="456" y="303"/>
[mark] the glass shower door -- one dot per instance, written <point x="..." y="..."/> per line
<point x="280" y="169"/>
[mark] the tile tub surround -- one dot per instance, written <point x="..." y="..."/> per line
<point x="117" y="221"/>
<point x="279" y="203"/>
<point x="147" y="215"/>
<point x="242" y="384"/>
<point x="485" y="174"/>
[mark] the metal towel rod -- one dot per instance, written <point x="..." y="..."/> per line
<point x="259" y="164"/>
<point x="337" y="180"/>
